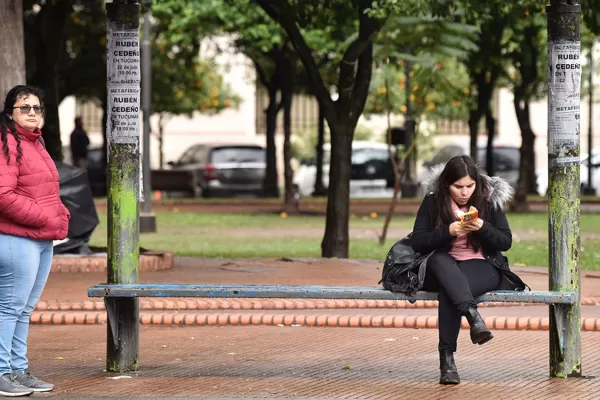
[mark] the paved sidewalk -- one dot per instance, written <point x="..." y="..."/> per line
<point x="283" y="362"/>
<point x="305" y="363"/>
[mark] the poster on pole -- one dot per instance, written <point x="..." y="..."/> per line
<point x="564" y="91"/>
<point x="124" y="86"/>
<point x="124" y="108"/>
<point x="124" y="53"/>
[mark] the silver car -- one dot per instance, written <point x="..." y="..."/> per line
<point x="225" y="170"/>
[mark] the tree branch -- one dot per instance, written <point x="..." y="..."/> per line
<point x="281" y="12"/>
<point x="262" y="75"/>
<point x="363" y="81"/>
<point x="368" y="30"/>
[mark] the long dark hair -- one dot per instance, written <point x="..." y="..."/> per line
<point x="7" y="124"/>
<point x="457" y="168"/>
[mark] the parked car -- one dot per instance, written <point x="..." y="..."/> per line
<point x="542" y="175"/>
<point x="506" y="162"/>
<point x="225" y="169"/>
<point x="371" y="173"/>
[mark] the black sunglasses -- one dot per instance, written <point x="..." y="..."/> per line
<point x="25" y="108"/>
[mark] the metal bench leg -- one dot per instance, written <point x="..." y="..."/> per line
<point x="123" y="333"/>
<point x="565" y="340"/>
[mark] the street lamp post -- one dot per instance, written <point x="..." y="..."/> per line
<point x="147" y="217"/>
<point x="589" y="189"/>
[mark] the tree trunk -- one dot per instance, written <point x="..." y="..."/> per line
<point x="12" y="46"/>
<point x="355" y="72"/>
<point x="519" y="204"/>
<point x="474" y="118"/>
<point x="527" y="59"/>
<point x="287" y="95"/>
<point x="47" y="41"/>
<point x="320" y="189"/>
<point x="270" y="186"/>
<point x="529" y="155"/>
<point x="336" y="238"/>
<point x="490" y="124"/>
<point x="484" y="83"/>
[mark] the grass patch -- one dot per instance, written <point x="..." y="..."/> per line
<point x="590" y="222"/>
<point x="206" y="235"/>
<point x="536" y="253"/>
<point x="195" y="220"/>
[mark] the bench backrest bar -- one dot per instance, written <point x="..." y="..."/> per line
<point x="310" y="292"/>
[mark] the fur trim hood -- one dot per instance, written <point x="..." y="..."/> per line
<point x="499" y="190"/>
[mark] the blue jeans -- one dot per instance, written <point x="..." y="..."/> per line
<point x="24" y="268"/>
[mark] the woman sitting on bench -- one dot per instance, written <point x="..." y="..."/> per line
<point x="461" y="220"/>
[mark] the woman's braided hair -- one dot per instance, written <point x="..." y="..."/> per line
<point x="6" y="122"/>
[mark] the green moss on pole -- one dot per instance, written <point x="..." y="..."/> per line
<point x="564" y="77"/>
<point x="123" y="89"/>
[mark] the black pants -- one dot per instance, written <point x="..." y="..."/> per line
<point x="457" y="282"/>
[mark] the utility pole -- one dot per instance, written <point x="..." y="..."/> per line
<point x="564" y="100"/>
<point x="123" y="136"/>
<point x="147" y="217"/>
<point x="589" y="189"/>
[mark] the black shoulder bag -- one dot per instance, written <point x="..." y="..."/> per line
<point x="403" y="269"/>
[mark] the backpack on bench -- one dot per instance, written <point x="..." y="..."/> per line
<point x="403" y="269"/>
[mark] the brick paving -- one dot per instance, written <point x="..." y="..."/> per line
<point x="201" y="354"/>
<point x="308" y="363"/>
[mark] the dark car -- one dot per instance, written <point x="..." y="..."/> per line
<point x="371" y="173"/>
<point x="225" y="169"/>
<point x="506" y="162"/>
<point x="372" y="163"/>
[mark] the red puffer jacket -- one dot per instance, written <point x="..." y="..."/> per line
<point x="30" y="204"/>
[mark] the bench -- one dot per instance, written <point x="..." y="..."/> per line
<point x="123" y="310"/>
<point x="310" y="292"/>
<point x="176" y="180"/>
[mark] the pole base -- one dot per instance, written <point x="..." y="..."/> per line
<point x="147" y="222"/>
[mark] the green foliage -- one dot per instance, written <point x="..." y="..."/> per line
<point x="182" y="81"/>
<point x="415" y="38"/>
<point x="525" y="44"/>
<point x="304" y="143"/>
<point x="590" y="9"/>
<point x="363" y="132"/>
<point x="82" y="68"/>
<point x="439" y="89"/>
<point x="439" y="84"/>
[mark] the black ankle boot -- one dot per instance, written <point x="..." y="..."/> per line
<point x="449" y="373"/>
<point x="480" y="334"/>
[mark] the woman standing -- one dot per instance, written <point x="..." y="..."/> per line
<point x="467" y="260"/>
<point x="31" y="217"/>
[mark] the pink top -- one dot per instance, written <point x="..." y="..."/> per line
<point x="460" y="249"/>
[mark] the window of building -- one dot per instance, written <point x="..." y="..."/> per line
<point x="91" y="115"/>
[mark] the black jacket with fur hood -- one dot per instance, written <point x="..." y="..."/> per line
<point x="494" y="236"/>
